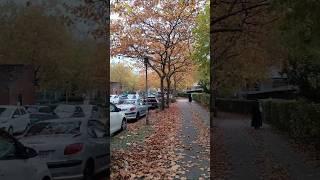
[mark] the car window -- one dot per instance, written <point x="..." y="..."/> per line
<point x="16" y="113"/>
<point x="45" y="110"/>
<point x="7" y="148"/>
<point x="23" y="112"/>
<point x="96" y="129"/>
<point x="50" y="128"/>
<point x="5" y="112"/>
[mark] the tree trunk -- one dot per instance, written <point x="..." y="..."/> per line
<point x="174" y="85"/>
<point x="162" y="93"/>
<point x="168" y="91"/>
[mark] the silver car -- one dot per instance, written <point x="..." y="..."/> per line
<point x="72" y="147"/>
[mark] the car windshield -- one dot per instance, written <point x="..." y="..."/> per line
<point x="50" y="128"/>
<point x="32" y="109"/>
<point x="129" y="101"/>
<point x="5" y="112"/>
<point x="6" y="147"/>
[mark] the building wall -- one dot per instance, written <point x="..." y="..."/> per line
<point x="21" y="82"/>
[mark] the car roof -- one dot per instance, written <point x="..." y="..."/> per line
<point x="10" y="106"/>
<point x="65" y="120"/>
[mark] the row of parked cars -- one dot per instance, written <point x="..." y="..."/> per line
<point x="62" y="142"/>
<point x="44" y="142"/>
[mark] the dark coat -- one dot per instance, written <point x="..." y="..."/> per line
<point x="256" y="116"/>
<point x="190" y="98"/>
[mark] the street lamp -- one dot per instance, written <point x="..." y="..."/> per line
<point x="146" y="93"/>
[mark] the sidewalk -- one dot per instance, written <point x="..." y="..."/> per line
<point x="195" y="139"/>
<point x="260" y="154"/>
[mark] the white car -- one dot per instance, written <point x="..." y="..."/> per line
<point x="114" y="99"/>
<point x="118" y="120"/>
<point x="20" y="162"/>
<point x="90" y="110"/>
<point x="73" y="148"/>
<point x="133" y="108"/>
<point x="14" y="119"/>
<point x="67" y="111"/>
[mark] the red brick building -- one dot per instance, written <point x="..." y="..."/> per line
<point x="15" y="80"/>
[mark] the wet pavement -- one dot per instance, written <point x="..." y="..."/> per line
<point x="196" y="157"/>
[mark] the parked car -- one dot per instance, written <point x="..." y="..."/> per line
<point x="118" y="120"/>
<point x="152" y="102"/>
<point x="67" y="111"/>
<point x="38" y="109"/>
<point x="14" y="119"/>
<point x="90" y="110"/>
<point x="20" y="162"/>
<point x="133" y="108"/>
<point x="40" y="113"/>
<point x="133" y="96"/>
<point x="72" y="147"/>
<point x="114" y="99"/>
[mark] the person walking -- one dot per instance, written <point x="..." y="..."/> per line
<point x="256" y="121"/>
<point x="190" y="97"/>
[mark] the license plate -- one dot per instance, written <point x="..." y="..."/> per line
<point x="45" y="154"/>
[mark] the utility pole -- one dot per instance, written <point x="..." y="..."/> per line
<point x="146" y="93"/>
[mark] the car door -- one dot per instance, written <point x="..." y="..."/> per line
<point x="113" y="118"/>
<point x="99" y="143"/>
<point x="24" y="119"/>
<point x="140" y="107"/>
<point x="12" y="166"/>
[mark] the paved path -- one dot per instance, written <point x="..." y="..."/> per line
<point x="195" y="154"/>
<point x="261" y="154"/>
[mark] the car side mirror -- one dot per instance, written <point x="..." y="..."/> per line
<point x="118" y="110"/>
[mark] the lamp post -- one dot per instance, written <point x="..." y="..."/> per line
<point x="146" y="93"/>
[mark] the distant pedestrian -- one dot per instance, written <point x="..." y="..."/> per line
<point x="20" y="99"/>
<point x="256" y="115"/>
<point x="190" y="97"/>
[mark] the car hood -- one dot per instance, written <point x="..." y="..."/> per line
<point x="124" y="107"/>
<point x="2" y="119"/>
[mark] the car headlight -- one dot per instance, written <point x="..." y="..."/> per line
<point x="3" y="122"/>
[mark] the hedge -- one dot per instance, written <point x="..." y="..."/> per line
<point x="234" y="105"/>
<point x="201" y="98"/>
<point x="299" y="118"/>
<point x="181" y="94"/>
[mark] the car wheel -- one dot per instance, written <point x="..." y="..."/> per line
<point x="88" y="173"/>
<point x="138" y="116"/>
<point x="10" y="131"/>
<point x="124" y="124"/>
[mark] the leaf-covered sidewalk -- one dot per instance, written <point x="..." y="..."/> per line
<point x="162" y="150"/>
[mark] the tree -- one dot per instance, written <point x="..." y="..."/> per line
<point x="123" y="74"/>
<point x="30" y="36"/>
<point x="201" y="48"/>
<point x="231" y="22"/>
<point x="299" y="29"/>
<point x="152" y="29"/>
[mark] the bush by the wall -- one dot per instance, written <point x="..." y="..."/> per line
<point x="299" y="118"/>
<point x="181" y="94"/>
<point x="201" y="98"/>
<point x="234" y="105"/>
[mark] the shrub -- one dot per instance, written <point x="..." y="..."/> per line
<point x="234" y="105"/>
<point x="202" y="98"/>
<point x="299" y="118"/>
<point x="181" y="94"/>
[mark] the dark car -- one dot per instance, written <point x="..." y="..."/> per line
<point x="40" y="113"/>
<point x="152" y="102"/>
